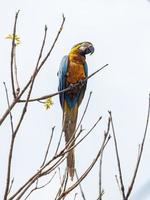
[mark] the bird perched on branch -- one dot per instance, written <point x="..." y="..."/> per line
<point x="73" y="69"/>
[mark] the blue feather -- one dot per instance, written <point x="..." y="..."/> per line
<point x="61" y="75"/>
<point x="62" y="78"/>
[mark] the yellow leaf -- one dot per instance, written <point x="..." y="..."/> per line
<point x="48" y="103"/>
<point x="16" y="38"/>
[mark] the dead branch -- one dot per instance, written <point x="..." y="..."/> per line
<point x="16" y="73"/>
<point x="118" y="158"/>
<point x="105" y="141"/>
<point x="40" y="187"/>
<point x="140" y="153"/>
<point x="40" y="65"/>
<point x="48" y="147"/>
<point x="62" y="183"/>
<point x="57" y="160"/>
<point x="12" y="55"/>
<point x="81" y="190"/>
<point x="101" y="191"/>
<point x="8" y="185"/>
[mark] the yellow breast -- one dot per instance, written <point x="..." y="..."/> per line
<point x="75" y="70"/>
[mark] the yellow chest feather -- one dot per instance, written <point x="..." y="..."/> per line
<point x="75" y="71"/>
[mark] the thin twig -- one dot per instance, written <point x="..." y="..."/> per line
<point x="86" y="107"/>
<point x="48" y="147"/>
<point x="65" y="183"/>
<point x="99" y="119"/>
<point x="62" y="182"/>
<point x="11" y="184"/>
<point x="8" y="186"/>
<point x="81" y="190"/>
<point x="40" y="187"/>
<point x="58" y="145"/>
<point x="53" y="45"/>
<point x="68" y="148"/>
<point x="16" y="73"/>
<point x="100" y="176"/>
<point x="101" y="191"/>
<point x="12" y="55"/>
<point x="140" y="153"/>
<point x="21" y="191"/>
<point x="118" y="159"/>
<point x="118" y="184"/>
<point x="8" y="103"/>
<point x="75" y="195"/>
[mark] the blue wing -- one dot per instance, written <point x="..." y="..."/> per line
<point x="61" y="75"/>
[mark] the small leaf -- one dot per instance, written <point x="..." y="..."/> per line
<point x="16" y="38"/>
<point x="48" y="103"/>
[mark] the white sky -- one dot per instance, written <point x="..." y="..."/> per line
<point x="120" y="32"/>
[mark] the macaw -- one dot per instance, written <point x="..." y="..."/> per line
<point x="73" y="69"/>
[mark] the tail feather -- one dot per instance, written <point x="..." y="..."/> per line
<point x="69" y="125"/>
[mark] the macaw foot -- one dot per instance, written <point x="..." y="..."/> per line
<point x="71" y="86"/>
<point x="81" y="83"/>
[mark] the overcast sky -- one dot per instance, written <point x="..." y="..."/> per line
<point x="120" y="33"/>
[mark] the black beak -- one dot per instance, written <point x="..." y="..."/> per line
<point x="89" y="50"/>
<point x="86" y="48"/>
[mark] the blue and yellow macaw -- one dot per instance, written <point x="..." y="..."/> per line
<point x="73" y="69"/>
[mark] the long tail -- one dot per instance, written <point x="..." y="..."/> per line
<point x="69" y="125"/>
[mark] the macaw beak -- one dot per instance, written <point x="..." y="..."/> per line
<point x="89" y="50"/>
<point x="86" y="48"/>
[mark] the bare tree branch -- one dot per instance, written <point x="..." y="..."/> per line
<point x="62" y="183"/>
<point x="58" y="145"/>
<point x="86" y="107"/>
<point x="12" y="55"/>
<point x="17" y="128"/>
<point x="81" y="190"/>
<point x="140" y="153"/>
<point x="75" y="196"/>
<point x="101" y="191"/>
<point x="11" y="184"/>
<point x="118" y="183"/>
<point x="48" y="147"/>
<point x="118" y="159"/>
<point x="105" y="141"/>
<point x="8" y="186"/>
<point x="100" y="177"/>
<point x="17" y="90"/>
<point x="40" y="187"/>
<point x="37" y="71"/>
<point x="57" y="159"/>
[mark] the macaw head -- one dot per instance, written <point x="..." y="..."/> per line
<point x="83" y="48"/>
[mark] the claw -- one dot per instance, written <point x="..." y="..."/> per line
<point x="71" y="85"/>
<point x="81" y="83"/>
